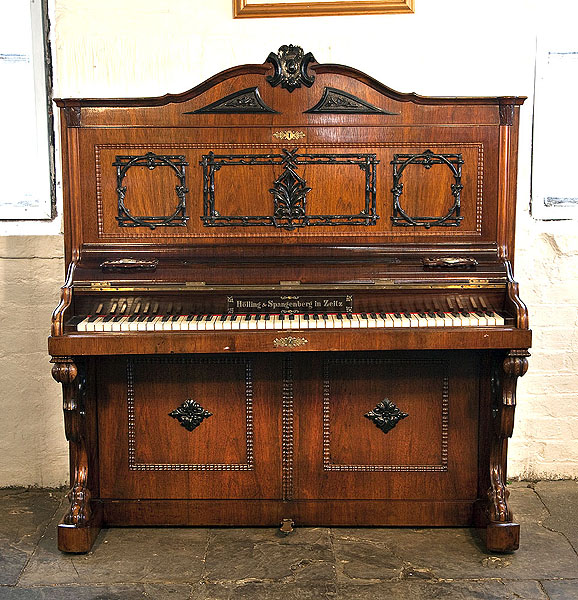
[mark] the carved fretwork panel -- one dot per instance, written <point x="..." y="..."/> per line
<point x="448" y="186"/>
<point x="129" y="202"/>
<point x="312" y="191"/>
<point x="289" y="207"/>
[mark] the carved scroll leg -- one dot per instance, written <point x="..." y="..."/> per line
<point x="79" y="527"/>
<point x="501" y="533"/>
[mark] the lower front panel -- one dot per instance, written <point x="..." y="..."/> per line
<point x="321" y="438"/>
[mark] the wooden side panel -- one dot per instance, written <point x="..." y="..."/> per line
<point x="155" y="443"/>
<point x="430" y="454"/>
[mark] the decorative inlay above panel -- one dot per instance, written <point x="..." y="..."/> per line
<point x="289" y="135"/>
<point x="336" y="101"/>
<point x="386" y="415"/>
<point x="381" y="364"/>
<point x="290" y="68"/>
<point x="192" y="411"/>
<point x="190" y="414"/>
<point x="247" y="101"/>
<point x="151" y="161"/>
<point x="289" y="190"/>
<point x="427" y="159"/>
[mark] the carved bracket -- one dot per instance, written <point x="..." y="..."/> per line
<point x="73" y="381"/>
<point x="513" y="366"/>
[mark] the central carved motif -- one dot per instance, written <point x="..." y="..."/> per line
<point x="290" y="68"/>
<point x="190" y="414"/>
<point x="386" y="415"/>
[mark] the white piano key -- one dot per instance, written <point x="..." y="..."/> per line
<point x="83" y="324"/>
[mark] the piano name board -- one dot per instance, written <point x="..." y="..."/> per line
<point x="290" y="304"/>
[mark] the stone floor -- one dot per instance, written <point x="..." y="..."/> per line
<point x="310" y="563"/>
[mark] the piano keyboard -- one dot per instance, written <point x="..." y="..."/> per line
<point x="212" y="322"/>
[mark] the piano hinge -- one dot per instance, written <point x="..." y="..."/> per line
<point x="290" y="283"/>
<point x="100" y="284"/>
<point x="195" y="283"/>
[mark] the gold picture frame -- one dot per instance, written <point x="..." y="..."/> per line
<point x="245" y="9"/>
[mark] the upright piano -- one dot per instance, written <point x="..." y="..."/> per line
<point x="289" y="301"/>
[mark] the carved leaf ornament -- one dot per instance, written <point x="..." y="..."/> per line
<point x="386" y="415"/>
<point x="190" y="414"/>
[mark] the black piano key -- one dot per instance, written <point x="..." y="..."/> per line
<point x="133" y="318"/>
<point x="208" y="317"/>
<point x="93" y="318"/>
<point x="325" y="317"/>
<point x="340" y="316"/>
<point x="373" y="315"/>
<point x="176" y="318"/>
<point x="292" y="317"/>
<point x="364" y="316"/>
<point x="257" y="317"/>
<point x="350" y="316"/>
<point x="266" y="317"/>
<point x="190" y="317"/>
<point x="306" y="317"/>
<point x="108" y="318"/>
<point x="151" y="318"/>
<point x="315" y="317"/>
<point x="223" y="318"/>
<point x="165" y="318"/>
<point x="199" y="318"/>
<point x="247" y="317"/>
<point x="76" y="320"/>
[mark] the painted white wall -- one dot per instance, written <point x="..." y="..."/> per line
<point x="448" y="47"/>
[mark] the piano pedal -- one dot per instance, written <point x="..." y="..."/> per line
<point x="287" y="526"/>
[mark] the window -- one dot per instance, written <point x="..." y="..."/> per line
<point x="554" y="179"/>
<point x="25" y="155"/>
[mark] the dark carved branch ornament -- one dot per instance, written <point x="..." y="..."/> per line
<point x="190" y="414"/>
<point x="151" y="161"/>
<point x="290" y="66"/>
<point x="247" y="101"/>
<point x="386" y="415"/>
<point x="504" y="381"/>
<point x="427" y="159"/>
<point x="73" y="380"/>
<point x="336" y="101"/>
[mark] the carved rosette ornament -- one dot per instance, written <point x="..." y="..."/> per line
<point x="190" y="414"/>
<point x="386" y="415"/>
<point x="290" y="68"/>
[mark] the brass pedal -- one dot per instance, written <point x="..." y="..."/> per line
<point x="286" y="526"/>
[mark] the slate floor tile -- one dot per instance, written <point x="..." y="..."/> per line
<point x="566" y="589"/>
<point x="264" y="591"/>
<point x="457" y="554"/>
<point x="121" y="555"/>
<point x="117" y="592"/>
<point x="25" y="514"/>
<point x="560" y="498"/>
<point x="455" y="590"/>
<point x="244" y="555"/>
